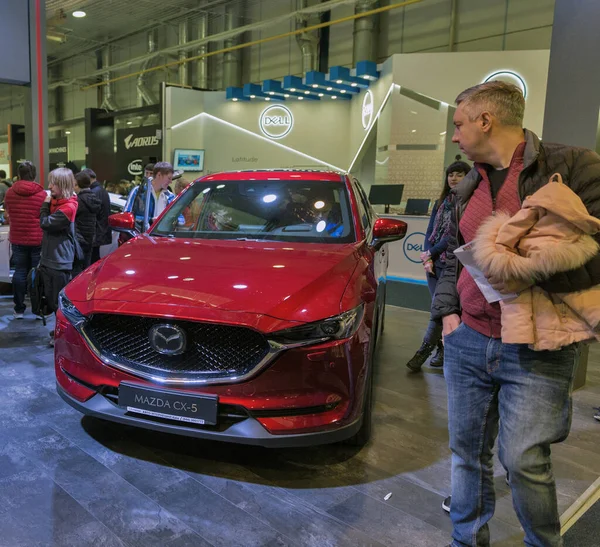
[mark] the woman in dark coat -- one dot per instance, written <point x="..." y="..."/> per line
<point x="434" y="259"/>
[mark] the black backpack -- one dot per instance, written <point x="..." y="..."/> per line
<point x="35" y="288"/>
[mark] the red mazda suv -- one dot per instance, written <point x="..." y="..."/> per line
<point x="249" y="313"/>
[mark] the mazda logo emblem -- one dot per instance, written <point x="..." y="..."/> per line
<point x="167" y="339"/>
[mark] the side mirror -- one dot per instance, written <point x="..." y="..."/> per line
<point x="123" y="222"/>
<point x="387" y="230"/>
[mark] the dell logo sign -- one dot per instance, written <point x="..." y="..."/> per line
<point x="276" y="121"/>
<point x="367" y="109"/>
<point x="414" y="245"/>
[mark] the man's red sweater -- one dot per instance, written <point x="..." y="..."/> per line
<point x="477" y="313"/>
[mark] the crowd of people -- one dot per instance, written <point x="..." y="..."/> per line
<point x="59" y="232"/>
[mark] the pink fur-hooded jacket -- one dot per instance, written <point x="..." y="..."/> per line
<point x="553" y="232"/>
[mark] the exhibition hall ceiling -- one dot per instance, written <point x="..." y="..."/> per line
<point x="107" y="21"/>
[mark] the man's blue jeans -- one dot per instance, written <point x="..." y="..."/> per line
<point x="24" y="257"/>
<point x="523" y="397"/>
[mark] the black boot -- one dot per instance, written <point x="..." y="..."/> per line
<point x="420" y="357"/>
<point x="438" y="358"/>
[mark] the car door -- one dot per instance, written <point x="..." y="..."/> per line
<point x="378" y="258"/>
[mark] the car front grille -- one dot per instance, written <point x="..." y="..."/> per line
<point x="213" y="352"/>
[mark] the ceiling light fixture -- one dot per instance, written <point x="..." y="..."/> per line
<point x="79" y="14"/>
<point x="67" y="132"/>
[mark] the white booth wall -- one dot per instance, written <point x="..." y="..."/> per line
<point x="407" y="140"/>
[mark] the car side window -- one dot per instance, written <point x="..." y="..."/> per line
<point x="364" y="206"/>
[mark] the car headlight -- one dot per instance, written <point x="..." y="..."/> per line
<point x="334" y="328"/>
<point x="75" y="317"/>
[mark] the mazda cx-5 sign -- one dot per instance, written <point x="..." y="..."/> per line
<point x="276" y="121"/>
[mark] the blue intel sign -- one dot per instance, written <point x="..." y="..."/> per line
<point x="414" y="245"/>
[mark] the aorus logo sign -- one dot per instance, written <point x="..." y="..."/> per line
<point x="276" y="121"/>
<point x="138" y="142"/>
<point x="413" y="246"/>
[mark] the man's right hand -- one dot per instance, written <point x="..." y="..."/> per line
<point x="450" y="323"/>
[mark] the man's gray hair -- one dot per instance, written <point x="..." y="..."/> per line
<point x="504" y="101"/>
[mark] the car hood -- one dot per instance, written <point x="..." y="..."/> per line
<point x="295" y="282"/>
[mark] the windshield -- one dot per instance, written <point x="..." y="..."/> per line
<point x="294" y="211"/>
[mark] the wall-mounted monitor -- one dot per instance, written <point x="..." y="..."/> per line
<point x="188" y="160"/>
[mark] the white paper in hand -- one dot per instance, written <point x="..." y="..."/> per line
<point x="465" y="255"/>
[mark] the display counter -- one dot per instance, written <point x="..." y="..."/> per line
<point x="404" y="255"/>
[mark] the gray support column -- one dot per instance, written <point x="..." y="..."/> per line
<point x="36" y="99"/>
<point x="573" y="94"/>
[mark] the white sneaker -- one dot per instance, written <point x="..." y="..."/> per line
<point x="18" y="315"/>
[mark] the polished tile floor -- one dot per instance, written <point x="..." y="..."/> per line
<point x="68" y="481"/>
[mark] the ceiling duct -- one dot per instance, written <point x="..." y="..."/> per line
<point x="202" y="64"/>
<point x="183" y="67"/>
<point x="144" y="95"/>
<point x="306" y="42"/>
<point x="365" y="33"/>
<point x="232" y="64"/>
<point x="108" y="101"/>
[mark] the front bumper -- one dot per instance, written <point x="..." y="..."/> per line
<point x="248" y="431"/>
<point x="307" y="396"/>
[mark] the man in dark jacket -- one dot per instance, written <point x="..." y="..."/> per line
<point x="495" y="389"/>
<point x="23" y="202"/>
<point x="103" y="231"/>
<point x="88" y="211"/>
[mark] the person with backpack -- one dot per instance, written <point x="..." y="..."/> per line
<point x="89" y="209"/>
<point x="22" y="204"/>
<point x="57" y="220"/>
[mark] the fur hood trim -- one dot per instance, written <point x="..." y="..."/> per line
<point x="506" y="263"/>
